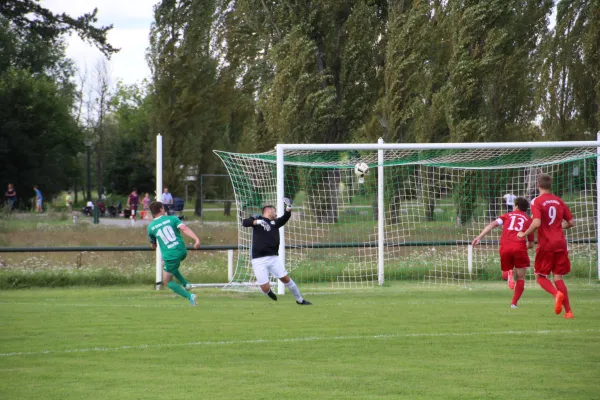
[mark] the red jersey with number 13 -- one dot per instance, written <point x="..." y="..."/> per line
<point x="551" y="210"/>
<point x="513" y="223"/>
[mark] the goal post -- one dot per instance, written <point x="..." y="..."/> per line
<point x="159" y="186"/>
<point x="417" y="211"/>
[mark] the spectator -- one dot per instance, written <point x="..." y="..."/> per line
<point x="146" y="206"/>
<point x="38" y="199"/>
<point x="166" y="199"/>
<point x="11" y="197"/>
<point x="89" y="207"/>
<point x="509" y="198"/>
<point x="69" y="202"/>
<point x="132" y="202"/>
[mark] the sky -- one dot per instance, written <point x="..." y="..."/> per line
<point x="131" y="21"/>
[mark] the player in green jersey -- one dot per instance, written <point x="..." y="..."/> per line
<point x="166" y="230"/>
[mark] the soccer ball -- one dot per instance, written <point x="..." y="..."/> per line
<point x="361" y="169"/>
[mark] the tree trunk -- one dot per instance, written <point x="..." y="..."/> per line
<point x="199" y="194"/>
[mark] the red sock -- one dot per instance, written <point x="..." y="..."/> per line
<point x="560" y="285"/>
<point x="518" y="291"/>
<point x="546" y="284"/>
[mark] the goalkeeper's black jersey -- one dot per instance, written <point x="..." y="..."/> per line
<point x="265" y="243"/>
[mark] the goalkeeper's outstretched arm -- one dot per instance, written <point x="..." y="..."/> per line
<point x="248" y="222"/>
<point x="281" y="221"/>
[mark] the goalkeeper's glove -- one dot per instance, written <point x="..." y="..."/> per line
<point x="288" y="203"/>
<point x="264" y="224"/>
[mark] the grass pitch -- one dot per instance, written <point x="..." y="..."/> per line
<point x="398" y="342"/>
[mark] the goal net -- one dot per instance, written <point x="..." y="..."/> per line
<point x="434" y="204"/>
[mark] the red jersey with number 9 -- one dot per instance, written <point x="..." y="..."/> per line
<point x="513" y="223"/>
<point x="551" y="210"/>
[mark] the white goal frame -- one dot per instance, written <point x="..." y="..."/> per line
<point x="381" y="147"/>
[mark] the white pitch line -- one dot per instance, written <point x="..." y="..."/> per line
<point x="298" y="339"/>
<point x="179" y="305"/>
<point x="339" y="303"/>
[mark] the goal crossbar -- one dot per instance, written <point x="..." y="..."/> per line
<point x="439" y="146"/>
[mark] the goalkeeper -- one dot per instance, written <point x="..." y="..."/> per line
<point x="265" y="250"/>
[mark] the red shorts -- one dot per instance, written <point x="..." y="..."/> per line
<point x="510" y="259"/>
<point x="556" y="262"/>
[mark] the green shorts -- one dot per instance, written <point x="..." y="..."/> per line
<point x="173" y="265"/>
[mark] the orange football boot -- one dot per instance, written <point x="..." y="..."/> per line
<point x="558" y="301"/>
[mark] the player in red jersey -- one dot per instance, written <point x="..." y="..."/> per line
<point x="513" y="251"/>
<point x="550" y="217"/>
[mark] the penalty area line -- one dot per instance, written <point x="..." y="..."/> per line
<point x="297" y="339"/>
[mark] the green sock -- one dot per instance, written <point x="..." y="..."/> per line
<point x="177" y="288"/>
<point x="180" y="277"/>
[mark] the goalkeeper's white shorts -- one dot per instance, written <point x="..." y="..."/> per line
<point x="263" y="265"/>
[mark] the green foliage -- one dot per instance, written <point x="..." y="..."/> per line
<point x="492" y="72"/>
<point x="38" y="136"/>
<point x="29" y="17"/>
<point x="570" y="82"/>
<point x="39" y="139"/>
<point x="188" y="109"/>
<point x="131" y="160"/>
<point x="53" y="279"/>
<point x="416" y="70"/>
<point x="301" y="108"/>
<point x="464" y="192"/>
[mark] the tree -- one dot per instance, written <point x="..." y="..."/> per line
<point x="569" y="94"/>
<point x="492" y="72"/>
<point x="312" y="68"/>
<point x="164" y="59"/>
<point x="188" y="111"/>
<point x="412" y="108"/>
<point x="130" y="161"/>
<point x="38" y="95"/>
<point x="490" y="96"/>
<point x="101" y="108"/>
<point x="30" y="18"/>
<point x="38" y="136"/>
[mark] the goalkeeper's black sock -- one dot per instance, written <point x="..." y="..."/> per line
<point x="272" y="295"/>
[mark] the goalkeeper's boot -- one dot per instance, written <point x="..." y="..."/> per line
<point x="514" y="306"/>
<point x="272" y="295"/>
<point x="188" y="287"/>
<point x="569" y="315"/>
<point x="511" y="280"/>
<point x="558" y="301"/>
<point x="304" y="303"/>
<point x="193" y="298"/>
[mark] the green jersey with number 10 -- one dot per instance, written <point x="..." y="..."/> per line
<point x="165" y="231"/>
